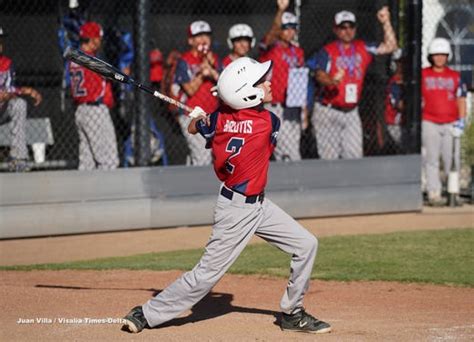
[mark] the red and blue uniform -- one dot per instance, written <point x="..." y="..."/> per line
<point x="283" y="59"/>
<point x="392" y="101"/>
<point x="227" y="60"/>
<point x="354" y="59"/>
<point x="242" y="142"/>
<point x="186" y="70"/>
<point x="440" y="91"/>
<point x="7" y="75"/>
<point x="88" y="87"/>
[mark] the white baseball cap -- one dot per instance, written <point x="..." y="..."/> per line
<point x="288" y="19"/>
<point x="2" y="33"/>
<point x="198" y="27"/>
<point x="344" y="16"/>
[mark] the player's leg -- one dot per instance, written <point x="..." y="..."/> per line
<point x="281" y="230"/>
<point x="431" y="140"/>
<point x="328" y="131"/>
<point x="352" y="135"/>
<point x="234" y="226"/>
<point x="86" y="159"/>
<point x="196" y="143"/>
<point x="101" y="133"/>
<point x="17" y="111"/>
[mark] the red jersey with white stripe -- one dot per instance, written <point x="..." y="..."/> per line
<point x="187" y="68"/>
<point x="242" y="143"/>
<point x="283" y="59"/>
<point x="6" y="75"/>
<point x="88" y="86"/>
<point x="354" y="59"/>
<point x="440" y="91"/>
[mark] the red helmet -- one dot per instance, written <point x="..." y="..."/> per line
<point x="91" y="30"/>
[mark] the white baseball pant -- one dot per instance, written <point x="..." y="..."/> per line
<point x="97" y="141"/>
<point x="16" y="113"/>
<point x="338" y="133"/>
<point x="437" y="140"/>
<point x="235" y="222"/>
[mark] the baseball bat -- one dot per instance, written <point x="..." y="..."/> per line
<point x="112" y="73"/>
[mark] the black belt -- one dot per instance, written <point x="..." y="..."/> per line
<point x="96" y="103"/>
<point x="341" y="109"/>
<point x="229" y="194"/>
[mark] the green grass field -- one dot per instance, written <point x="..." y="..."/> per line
<point x="439" y="257"/>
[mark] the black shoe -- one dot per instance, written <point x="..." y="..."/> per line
<point x="135" y="321"/>
<point x="18" y="165"/>
<point x="304" y="322"/>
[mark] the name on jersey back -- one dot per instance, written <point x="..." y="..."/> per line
<point x="238" y="126"/>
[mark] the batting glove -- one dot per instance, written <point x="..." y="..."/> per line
<point x="458" y="128"/>
<point x="197" y="112"/>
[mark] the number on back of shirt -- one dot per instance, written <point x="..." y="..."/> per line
<point x="233" y="146"/>
<point x="77" y="83"/>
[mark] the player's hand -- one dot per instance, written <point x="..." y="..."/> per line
<point x="197" y="113"/>
<point x="339" y="76"/>
<point x="383" y="15"/>
<point x="283" y="4"/>
<point x="36" y="96"/>
<point x="458" y="128"/>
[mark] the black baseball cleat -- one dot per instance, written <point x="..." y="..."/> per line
<point x="135" y="321"/>
<point x="304" y="322"/>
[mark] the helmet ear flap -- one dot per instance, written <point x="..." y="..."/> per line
<point x="229" y="44"/>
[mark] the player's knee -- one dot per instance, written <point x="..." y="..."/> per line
<point x="310" y="245"/>
<point x="19" y="106"/>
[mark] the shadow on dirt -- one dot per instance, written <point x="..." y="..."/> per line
<point x="214" y="304"/>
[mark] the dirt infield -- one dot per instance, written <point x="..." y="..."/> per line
<point x="88" y="305"/>
<point x="239" y="308"/>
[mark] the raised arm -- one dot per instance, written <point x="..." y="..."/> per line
<point x="389" y="43"/>
<point x="272" y="35"/>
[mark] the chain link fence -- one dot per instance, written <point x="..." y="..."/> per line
<point x="92" y="124"/>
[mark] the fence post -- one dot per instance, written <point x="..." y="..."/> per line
<point x="412" y="75"/>
<point x="142" y="73"/>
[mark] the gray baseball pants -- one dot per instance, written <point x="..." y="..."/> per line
<point x="97" y="141"/>
<point x="196" y="143"/>
<point x="16" y="112"/>
<point x="437" y="140"/>
<point x="289" y="135"/>
<point x="338" y="133"/>
<point x="235" y="224"/>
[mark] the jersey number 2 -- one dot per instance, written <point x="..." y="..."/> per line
<point x="77" y="80"/>
<point x="233" y="146"/>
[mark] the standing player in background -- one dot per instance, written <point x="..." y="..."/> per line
<point x="340" y="69"/>
<point x="443" y="112"/>
<point x="393" y="115"/>
<point x="288" y="58"/>
<point x="13" y="109"/>
<point x="242" y="136"/>
<point x="240" y="41"/>
<point x="93" y="97"/>
<point x="196" y="73"/>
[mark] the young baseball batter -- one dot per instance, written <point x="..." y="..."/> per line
<point x="242" y="136"/>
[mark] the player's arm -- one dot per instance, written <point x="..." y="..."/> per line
<point x="389" y="43"/>
<point x="31" y="92"/>
<point x="323" y="65"/>
<point x="461" y="99"/>
<point x="197" y="114"/>
<point x="272" y="35"/>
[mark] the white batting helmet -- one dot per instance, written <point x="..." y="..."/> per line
<point x="240" y="31"/>
<point x="236" y="84"/>
<point x="440" y="46"/>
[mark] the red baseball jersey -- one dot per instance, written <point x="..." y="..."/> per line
<point x="88" y="86"/>
<point x="242" y="143"/>
<point x="227" y="60"/>
<point x="355" y="60"/>
<point x="283" y="59"/>
<point x="7" y="75"/>
<point x="188" y="67"/>
<point x="393" y="97"/>
<point x="439" y="91"/>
